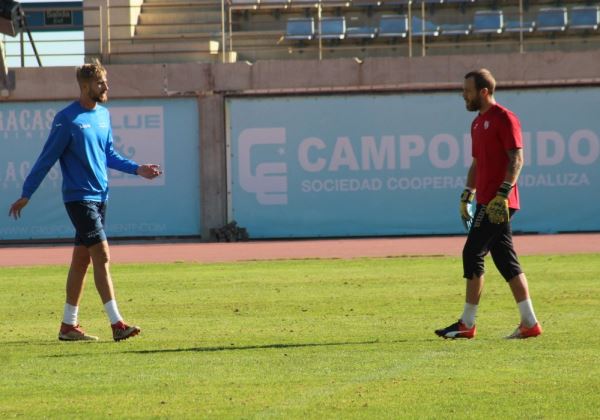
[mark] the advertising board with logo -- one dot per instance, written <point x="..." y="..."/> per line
<point x="361" y="165"/>
<point x="147" y="131"/>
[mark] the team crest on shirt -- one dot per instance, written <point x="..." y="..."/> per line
<point x="486" y="125"/>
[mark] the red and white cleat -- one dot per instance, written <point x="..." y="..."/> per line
<point x="74" y="333"/>
<point x="523" y="332"/>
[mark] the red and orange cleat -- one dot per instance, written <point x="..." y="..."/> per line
<point x="122" y="331"/>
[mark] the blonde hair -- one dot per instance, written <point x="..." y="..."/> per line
<point x="90" y="71"/>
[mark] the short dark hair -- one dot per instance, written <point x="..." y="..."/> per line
<point x="90" y="71"/>
<point x="483" y="79"/>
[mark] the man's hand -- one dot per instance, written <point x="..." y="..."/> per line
<point x="497" y="209"/>
<point x="466" y="199"/>
<point x="17" y="206"/>
<point x="149" y="171"/>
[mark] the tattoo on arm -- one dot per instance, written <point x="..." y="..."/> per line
<point x="515" y="163"/>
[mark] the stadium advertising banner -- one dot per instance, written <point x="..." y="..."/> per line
<point x="146" y="131"/>
<point x="362" y="165"/>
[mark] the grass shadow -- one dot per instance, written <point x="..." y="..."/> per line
<point x="229" y="348"/>
<point x="255" y="347"/>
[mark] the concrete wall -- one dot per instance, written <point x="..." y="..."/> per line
<point x="211" y="83"/>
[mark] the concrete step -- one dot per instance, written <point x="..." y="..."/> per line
<point x="256" y="41"/>
<point x="162" y="57"/>
<point x="160" y="8"/>
<point x="203" y="46"/>
<point x="178" y="18"/>
<point x="190" y="36"/>
<point x="203" y="3"/>
<point x="173" y="29"/>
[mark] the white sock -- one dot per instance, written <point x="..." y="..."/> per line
<point x="468" y="316"/>
<point x="527" y="315"/>
<point x="70" y="314"/>
<point x="112" y="311"/>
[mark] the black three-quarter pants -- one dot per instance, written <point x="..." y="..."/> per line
<point x="485" y="237"/>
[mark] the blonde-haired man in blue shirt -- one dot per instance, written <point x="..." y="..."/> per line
<point x="81" y="140"/>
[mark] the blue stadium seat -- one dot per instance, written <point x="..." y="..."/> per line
<point x="515" y="26"/>
<point x="422" y="27"/>
<point x="552" y="19"/>
<point x="393" y="26"/>
<point x="585" y="17"/>
<point x="362" y="32"/>
<point x="455" y="29"/>
<point x="302" y="29"/>
<point x="488" y="22"/>
<point x="333" y="27"/>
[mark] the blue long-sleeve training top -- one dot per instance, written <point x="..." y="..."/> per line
<point x="82" y="140"/>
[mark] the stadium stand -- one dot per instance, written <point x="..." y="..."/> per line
<point x="181" y="30"/>
<point x="456" y="26"/>
<point x="255" y="29"/>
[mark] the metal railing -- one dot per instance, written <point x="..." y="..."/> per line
<point x="231" y="31"/>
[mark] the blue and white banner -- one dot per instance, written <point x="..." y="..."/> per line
<point x="147" y="131"/>
<point x="396" y="164"/>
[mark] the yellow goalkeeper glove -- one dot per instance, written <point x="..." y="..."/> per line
<point x="466" y="201"/>
<point x="497" y="209"/>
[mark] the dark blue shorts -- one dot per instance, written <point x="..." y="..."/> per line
<point x="88" y="219"/>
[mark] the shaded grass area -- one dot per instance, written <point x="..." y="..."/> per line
<point x="303" y="338"/>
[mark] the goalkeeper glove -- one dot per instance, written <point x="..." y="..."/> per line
<point x="466" y="212"/>
<point x="497" y="209"/>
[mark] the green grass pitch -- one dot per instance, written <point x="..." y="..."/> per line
<point x="303" y="339"/>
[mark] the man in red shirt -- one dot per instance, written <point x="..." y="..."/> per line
<point x="497" y="161"/>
